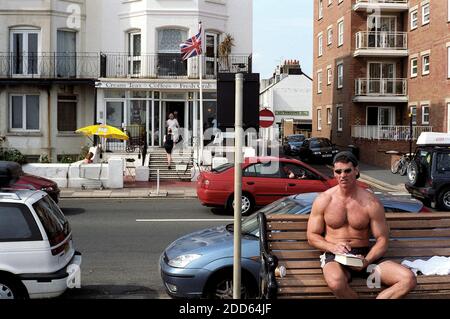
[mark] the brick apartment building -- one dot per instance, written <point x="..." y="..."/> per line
<point x="376" y="62"/>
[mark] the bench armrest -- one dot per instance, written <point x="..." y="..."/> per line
<point x="267" y="282"/>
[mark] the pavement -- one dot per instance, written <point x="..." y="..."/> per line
<point x="379" y="178"/>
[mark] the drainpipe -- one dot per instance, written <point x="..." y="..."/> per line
<point x="49" y="126"/>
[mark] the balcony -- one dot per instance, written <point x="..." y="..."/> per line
<point x="388" y="132"/>
<point x="49" y="66"/>
<point x="170" y="65"/>
<point x="383" y="5"/>
<point x="381" y="44"/>
<point x="381" y="90"/>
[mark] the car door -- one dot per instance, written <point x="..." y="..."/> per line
<point x="304" y="180"/>
<point x="264" y="182"/>
<point x="303" y="152"/>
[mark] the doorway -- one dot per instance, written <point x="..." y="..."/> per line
<point x="177" y="109"/>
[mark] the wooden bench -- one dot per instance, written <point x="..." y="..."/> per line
<point x="283" y="243"/>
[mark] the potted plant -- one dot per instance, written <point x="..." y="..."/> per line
<point x="225" y="48"/>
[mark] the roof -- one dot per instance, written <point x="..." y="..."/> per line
<point x="281" y="79"/>
<point x="22" y="195"/>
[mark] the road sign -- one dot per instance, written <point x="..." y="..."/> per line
<point x="266" y="118"/>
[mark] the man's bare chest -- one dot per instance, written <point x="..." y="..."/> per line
<point x="340" y="216"/>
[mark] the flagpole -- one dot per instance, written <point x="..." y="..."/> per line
<point x="201" y="108"/>
<point x="200" y="158"/>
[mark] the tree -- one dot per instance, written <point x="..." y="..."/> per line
<point x="225" y="48"/>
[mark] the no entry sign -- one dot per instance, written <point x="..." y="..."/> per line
<point x="266" y="118"/>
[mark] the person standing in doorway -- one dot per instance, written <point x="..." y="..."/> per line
<point x="173" y="125"/>
<point x="168" y="146"/>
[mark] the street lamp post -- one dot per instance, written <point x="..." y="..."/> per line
<point x="410" y="132"/>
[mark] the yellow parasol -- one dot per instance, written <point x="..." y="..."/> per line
<point x="104" y="131"/>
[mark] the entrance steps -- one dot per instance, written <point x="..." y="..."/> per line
<point x="180" y="157"/>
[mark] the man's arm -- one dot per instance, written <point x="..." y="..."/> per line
<point x="380" y="231"/>
<point x="316" y="228"/>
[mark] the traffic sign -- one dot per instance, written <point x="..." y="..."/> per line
<point x="266" y="118"/>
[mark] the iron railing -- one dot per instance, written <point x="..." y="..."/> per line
<point x="49" y="65"/>
<point x="388" y="132"/>
<point x="380" y="87"/>
<point x="382" y="40"/>
<point x="169" y="65"/>
<point x="383" y="1"/>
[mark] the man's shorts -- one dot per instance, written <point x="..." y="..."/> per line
<point x="329" y="257"/>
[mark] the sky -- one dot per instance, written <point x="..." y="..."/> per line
<point x="282" y="30"/>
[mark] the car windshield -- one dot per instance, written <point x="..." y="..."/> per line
<point x="223" y="168"/>
<point x="281" y="206"/>
<point x="320" y="143"/>
<point x="296" y="138"/>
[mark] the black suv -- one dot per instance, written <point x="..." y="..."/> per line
<point x="429" y="176"/>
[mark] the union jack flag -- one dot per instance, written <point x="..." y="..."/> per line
<point x="193" y="46"/>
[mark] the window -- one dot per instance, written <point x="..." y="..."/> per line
<point x="329" y="116"/>
<point x="24" y="113"/>
<point x="413" y="110"/>
<point x="67" y="53"/>
<point x="134" y="53"/>
<point x="266" y="170"/>
<point x="340" y="33"/>
<point x="340" y="76"/>
<point x="425" y="114"/>
<point x="414" y="19"/>
<point x="211" y="53"/>
<point x="319" y="120"/>
<point x="67" y="113"/>
<point x="329" y="76"/>
<point x="24" y="51"/>
<point x="320" y="44"/>
<point x="17" y="224"/>
<point x="330" y="36"/>
<point x="319" y="82"/>
<point x="414" y="67"/>
<point x="320" y="9"/>
<point x="426" y="64"/>
<point x="448" y="61"/>
<point x="169" y="57"/>
<point x="425" y="14"/>
<point x="340" y="120"/>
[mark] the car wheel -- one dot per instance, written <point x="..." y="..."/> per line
<point x="9" y="289"/>
<point x="247" y="204"/>
<point x="414" y="174"/>
<point x="444" y="199"/>
<point x="221" y="287"/>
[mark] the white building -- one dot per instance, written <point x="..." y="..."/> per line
<point x="288" y="94"/>
<point x="67" y="64"/>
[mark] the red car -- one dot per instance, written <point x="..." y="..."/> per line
<point x="264" y="180"/>
<point x="28" y="181"/>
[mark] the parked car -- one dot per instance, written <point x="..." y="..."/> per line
<point x="199" y="265"/>
<point x="265" y="179"/>
<point x="317" y="149"/>
<point x="292" y="144"/>
<point x="28" y="181"/>
<point x="429" y="171"/>
<point x="36" y="248"/>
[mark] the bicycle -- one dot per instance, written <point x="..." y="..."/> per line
<point x="401" y="165"/>
<point x="184" y="166"/>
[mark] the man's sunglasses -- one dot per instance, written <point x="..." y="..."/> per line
<point x="340" y="171"/>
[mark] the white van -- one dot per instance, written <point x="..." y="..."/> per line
<point x="37" y="256"/>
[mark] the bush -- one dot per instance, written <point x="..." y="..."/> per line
<point x="12" y="155"/>
<point x="43" y="159"/>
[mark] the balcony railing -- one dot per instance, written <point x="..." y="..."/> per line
<point x="170" y="65"/>
<point x="383" y="1"/>
<point x="50" y="65"/>
<point x="382" y="40"/>
<point x="390" y="5"/>
<point x="388" y="132"/>
<point x="380" y="87"/>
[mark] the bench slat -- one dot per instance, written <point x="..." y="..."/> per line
<point x="393" y="224"/>
<point x="396" y="252"/>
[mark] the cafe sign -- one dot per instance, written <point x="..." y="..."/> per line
<point x="156" y="86"/>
